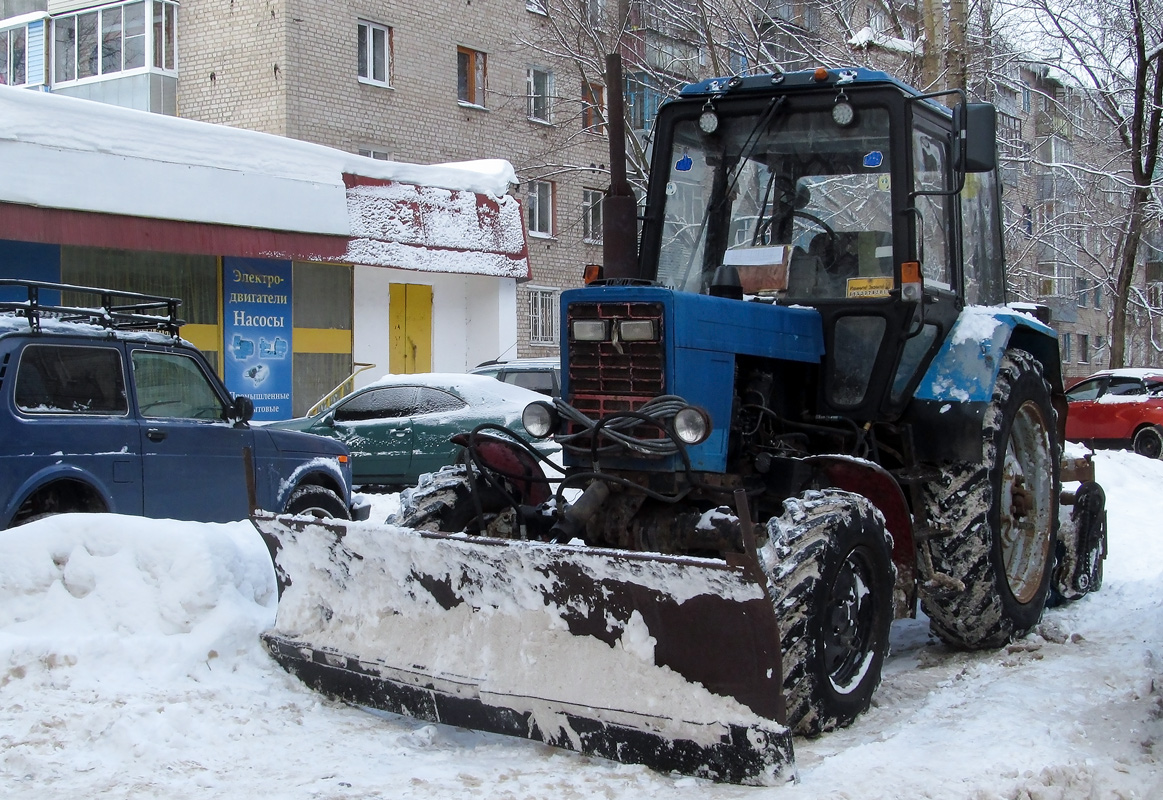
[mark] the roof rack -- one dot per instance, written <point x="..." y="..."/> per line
<point x="114" y="312"/>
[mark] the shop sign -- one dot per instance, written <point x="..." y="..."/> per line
<point x="256" y="331"/>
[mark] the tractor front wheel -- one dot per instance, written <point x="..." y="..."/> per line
<point x="829" y="562"/>
<point x="453" y="500"/>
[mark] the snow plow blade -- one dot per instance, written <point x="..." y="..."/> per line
<point x="670" y="662"/>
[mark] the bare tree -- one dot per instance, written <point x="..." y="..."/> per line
<point x="666" y="44"/>
<point x="1113" y="48"/>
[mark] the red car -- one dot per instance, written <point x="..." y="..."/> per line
<point x="1118" y="408"/>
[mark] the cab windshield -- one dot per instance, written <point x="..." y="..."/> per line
<point x="797" y="204"/>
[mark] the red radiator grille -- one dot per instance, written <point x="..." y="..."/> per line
<point x="607" y="377"/>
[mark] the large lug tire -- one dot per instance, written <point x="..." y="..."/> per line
<point x="829" y="563"/>
<point x="316" y="501"/>
<point x="1148" y="441"/>
<point x="444" y="501"/>
<point x="995" y="521"/>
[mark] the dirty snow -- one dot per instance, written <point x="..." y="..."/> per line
<point x="130" y="667"/>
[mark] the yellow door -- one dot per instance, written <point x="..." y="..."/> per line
<point x="410" y="319"/>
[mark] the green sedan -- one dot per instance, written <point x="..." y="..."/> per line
<point x="399" y="427"/>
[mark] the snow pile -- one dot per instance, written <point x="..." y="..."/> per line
<point x="165" y="599"/>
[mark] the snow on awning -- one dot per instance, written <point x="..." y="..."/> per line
<point x="164" y="183"/>
<point x="431" y="229"/>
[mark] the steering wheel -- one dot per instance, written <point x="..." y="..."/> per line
<point x="830" y="246"/>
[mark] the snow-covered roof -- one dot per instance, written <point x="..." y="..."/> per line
<point x="64" y="153"/>
<point x="1130" y="372"/>
<point x="867" y="36"/>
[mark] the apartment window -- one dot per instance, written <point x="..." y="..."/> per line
<point x="594" y="107"/>
<point x="877" y="19"/>
<point x="1154" y="284"/>
<point x="539" y="208"/>
<point x="1082" y="290"/>
<point x="372" y="152"/>
<point x="375" y="53"/>
<point x="595" y="12"/>
<point x="1083" y="348"/>
<point x="165" y="35"/>
<point x="471" y="76"/>
<point x="1066" y="350"/>
<point x="1026" y="97"/>
<point x="1056" y="279"/>
<point x="543" y="316"/>
<point x="13" y="59"/>
<point x="592" y="215"/>
<point x="539" y="87"/>
<point x="112" y="39"/>
<point x="642" y="100"/>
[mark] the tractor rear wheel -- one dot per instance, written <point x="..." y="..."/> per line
<point x="996" y="519"/>
<point x="829" y="562"/>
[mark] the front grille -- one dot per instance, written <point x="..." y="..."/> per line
<point x="608" y="377"/>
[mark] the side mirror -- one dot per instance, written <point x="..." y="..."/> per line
<point x="327" y="420"/>
<point x="977" y="125"/>
<point x="242" y="409"/>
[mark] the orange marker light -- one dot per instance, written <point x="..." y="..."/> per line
<point x="912" y="283"/>
<point x="821" y="74"/>
<point x="591" y="273"/>
<point x="342" y="459"/>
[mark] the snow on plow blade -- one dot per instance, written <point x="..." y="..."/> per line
<point x="664" y="661"/>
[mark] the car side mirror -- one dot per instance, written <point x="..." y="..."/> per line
<point x="328" y="420"/>
<point x="242" y="409"/>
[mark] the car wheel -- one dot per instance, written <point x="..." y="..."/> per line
<point x="1149" y="441"/>
<point x="316" y="501"/>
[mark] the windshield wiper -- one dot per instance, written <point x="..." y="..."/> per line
<point x="716" y="203"/>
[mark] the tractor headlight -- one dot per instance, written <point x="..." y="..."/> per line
<point x="636" y="330"/>
<point x="539" y="419"/>
<point x="692" y="425"/>
<point x="589" y="330"/>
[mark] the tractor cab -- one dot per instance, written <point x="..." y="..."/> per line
<point x="841" y="190"/>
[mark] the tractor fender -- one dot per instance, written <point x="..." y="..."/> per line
<point x="875" y="483"/>
<point x="965" y="369"/>
<point x="510" y="460"/>
<point x="52" y="474"/>
<point x="949" y="404"/>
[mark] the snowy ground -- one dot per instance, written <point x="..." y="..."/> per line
<point x="130" y="667"/>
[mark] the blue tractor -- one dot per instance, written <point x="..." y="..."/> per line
<point x="805" y="372"/>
